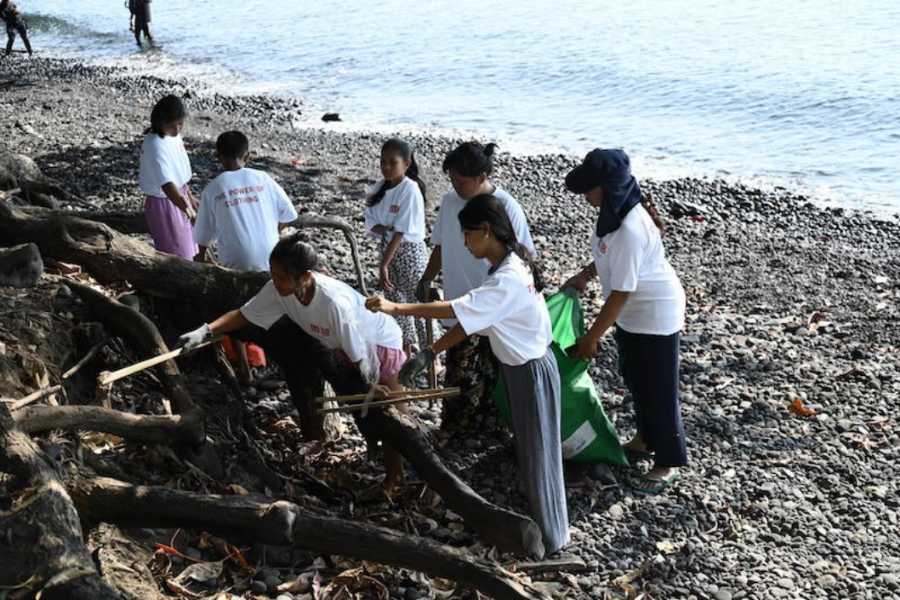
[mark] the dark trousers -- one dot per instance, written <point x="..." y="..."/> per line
<point x="11" y="30"/>
<point x="649" y="365"/>
<point x="307" y="365"/>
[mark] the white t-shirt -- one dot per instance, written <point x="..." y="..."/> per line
<point x="163" y="160"/>
<point x="509" y="311"/>
<point x="401" y="210"/>
<point x="462" y="272"/>
<point x="632" y="259"/>
<point x="242" y="209"/>
<point x="336" y="316"/>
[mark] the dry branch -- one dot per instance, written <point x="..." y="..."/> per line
<point x="148" y="429"/>
<point x="285" y="523"/>
<point x="43" y="551"/>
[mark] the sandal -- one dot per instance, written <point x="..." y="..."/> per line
<point x="649" y="486"/>
<point x="634" y="456"/>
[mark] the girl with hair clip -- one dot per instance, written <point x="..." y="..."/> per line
<point x="395" y="213"/>
<point x="508" y="309"/>
<point x="644" y="299"/>
<point x="333" y="316"/>
<point x="165" y="172"/>
<point x="469" y="365"/>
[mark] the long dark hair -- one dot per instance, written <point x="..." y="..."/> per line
<point x="168" y="110"/>
<point x="406" y="152"/>
<point x="295" y="256"/>
<point x="471" y="159"/>
<point x="485" y="208"/>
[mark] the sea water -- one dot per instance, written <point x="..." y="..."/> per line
<point x="804" y="94"/>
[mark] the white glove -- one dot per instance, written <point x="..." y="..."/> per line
<point x="192" y="339"/>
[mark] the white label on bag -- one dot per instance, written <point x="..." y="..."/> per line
<point x="579" y="440"/>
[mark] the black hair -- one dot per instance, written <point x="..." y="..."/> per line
<point x="294" y="255"/>
<point x="485" y="208"/>
<point x="232" y="145"/>
<point x="168" y="110"/>
<point x="471" y="159"/>
<point x="406" y="152"/>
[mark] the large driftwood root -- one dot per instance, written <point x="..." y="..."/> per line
<point x="286" y="524"/>
<point x="42" y="550"/>
<point x="205" y="292"/>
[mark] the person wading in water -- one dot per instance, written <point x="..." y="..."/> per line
<point x="140" y="20"/>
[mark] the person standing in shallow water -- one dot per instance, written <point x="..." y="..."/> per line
<point x="15" y="24"/>
<point x="644" y="299"/>
<point x="140" y="20"/>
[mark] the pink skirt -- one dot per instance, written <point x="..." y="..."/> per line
<point x="169" y="226"/>
<point x="389" y="362"/>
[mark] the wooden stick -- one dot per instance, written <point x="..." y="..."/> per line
<point x="107" y="377"/>
<point x="87" y="357"/>
<point x="377" y="403"/>
<point x="35" y="396"/>
<point x="436" y="392"/>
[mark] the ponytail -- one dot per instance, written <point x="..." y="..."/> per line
<point x="406" y="152"/>
<point x="295" y="256"/>
<point x="651" y="208"/>
<point x="486" y="209"/>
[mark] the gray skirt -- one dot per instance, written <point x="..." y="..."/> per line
<point x="533" y="393"/>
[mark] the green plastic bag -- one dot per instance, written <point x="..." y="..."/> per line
<point x="587" y="435"/>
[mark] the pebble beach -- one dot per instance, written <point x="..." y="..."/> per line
<point x="790" y="367"/>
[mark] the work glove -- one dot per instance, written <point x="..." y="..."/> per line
<point x="415" y="365"/>
<point x="192" y="339"/>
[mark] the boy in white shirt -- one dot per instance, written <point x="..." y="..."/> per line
<point x="244" y="209"/>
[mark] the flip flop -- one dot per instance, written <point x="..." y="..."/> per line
<point x="647" y="486"/>
<point x="635" y="456"/>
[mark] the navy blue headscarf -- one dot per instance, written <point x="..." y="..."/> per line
<point x="609" y="170"/>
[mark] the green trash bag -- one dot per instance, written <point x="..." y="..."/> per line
<point x="587" y="435"/>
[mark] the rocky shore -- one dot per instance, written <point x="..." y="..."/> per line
<point x="790" y="367"/>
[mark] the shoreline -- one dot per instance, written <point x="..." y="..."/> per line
<point x="786" y="301"/>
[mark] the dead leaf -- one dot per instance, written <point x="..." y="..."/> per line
<point x="177" y="588"/>
<point x="200" y="572"/>
<point x="237" y="490"/>
<point x="798" y="408"/>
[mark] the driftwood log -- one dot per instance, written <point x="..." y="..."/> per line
<point x="42" y="550"/>
<point x="286" y="524"/>
<point x="207" y="291"/>
<point x="147" y="429"/>
<point x="20" y="266"/>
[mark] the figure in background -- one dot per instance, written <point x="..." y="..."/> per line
<point x="643" y="298"/>
<point x="242" y="210"/>
<point x="395" y="213"/>
<point x="15" y="24"/>
<point x="165" y="172"/>
<point x="140" y="20"/>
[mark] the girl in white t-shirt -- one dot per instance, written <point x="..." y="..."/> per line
<point x="345" y="343"/>
<point x="644" y="299"/>
<point x="395" y="213"/>
<point x="509" y="311"/>
<point x="470" y="365"/>
<point x="164" y="175"/>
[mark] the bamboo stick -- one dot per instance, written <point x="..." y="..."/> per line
<point x="435" y="392"/>
<point x="107" y="377"/>
<point x="453" y="392"/>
